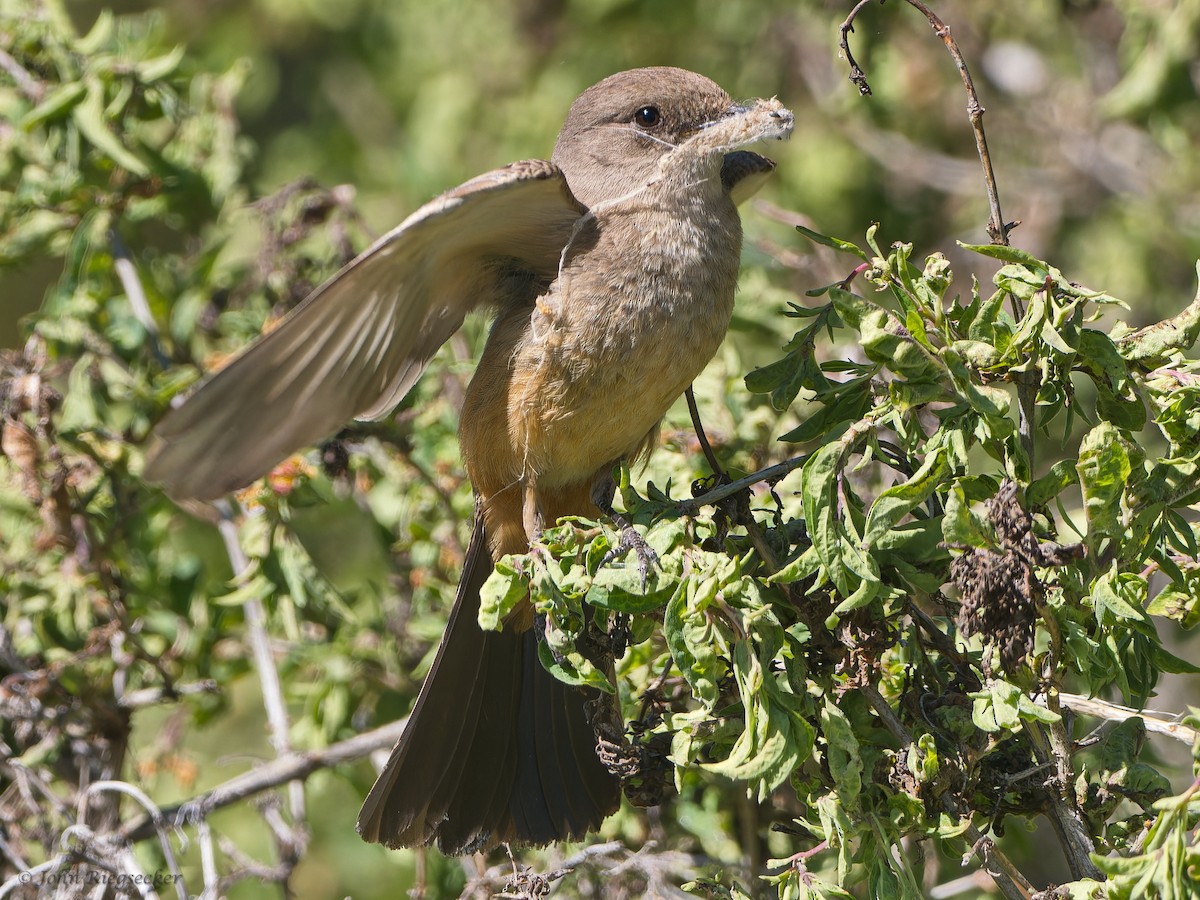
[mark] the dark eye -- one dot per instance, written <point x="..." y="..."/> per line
<point x="647" y="116"/>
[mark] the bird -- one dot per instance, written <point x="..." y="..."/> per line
<point x="610" y="270"/>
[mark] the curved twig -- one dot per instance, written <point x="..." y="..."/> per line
<point x="997" y="228"/>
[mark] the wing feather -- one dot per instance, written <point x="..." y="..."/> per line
<point x="358" y="343"/>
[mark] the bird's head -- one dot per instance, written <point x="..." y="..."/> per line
<point x="631" y="127"/>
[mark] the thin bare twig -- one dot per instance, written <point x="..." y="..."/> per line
<point x="721" y="492"/>
<point x="694" y="411"/>
<point x="770" y="473"/>
<point x="264" y="661"/>
<point x="757" y="538"/>
<point x="154" y="695"/>
<point x="33" y="875"/>
<point x="997" y="228"/>
<point x="208" y="861"/>
<point x="156" y="818"/>
<point x="30" y="86"/>
<point x="136" y="294"/>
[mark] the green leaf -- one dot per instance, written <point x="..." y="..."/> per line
<point x="1104" y="468"/>
<point x="897" y="501"/>
<point x="885" y="339"/>
<point x="251" y="585"/>
<point x="572" y="668"/>
<point x="1182" y="605"/>
<point x="59" y="101"/>
<point x="1158" y="341"/>
<point x="1062" y="475"/>
<point x="89" y="116"/>
<point x="691" y="638"/>
<point x="1123" y="594"/>
<point x="776" y="737"/>
<point x="960" y="525"/>
<point x="1008" y="254"/>
<point x="1166" y="661"/>
<point x="848" y="406"/>
<point x="835" y="243"/>
<point x="507" y="586"/>
<point x="152" y="70"/>
<point x="854" y="573"/>
<point x="1118" y="400"/>
<point x="992" y="403"/>
<point x="841" y="746"/>
<point x="100" y="35"/>
<point x="806" y="564"/>
<point x="1033" y="712"/>
<point x="997" y="707"/>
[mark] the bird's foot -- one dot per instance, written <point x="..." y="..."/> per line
<point x="631" y="539"/>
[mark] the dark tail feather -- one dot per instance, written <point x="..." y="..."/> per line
<point x="496" y="749"/>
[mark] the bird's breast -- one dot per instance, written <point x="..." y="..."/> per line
<point x="628" y="325"/>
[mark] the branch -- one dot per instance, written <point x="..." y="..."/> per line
<point x="997" y="229"/>
<point x="154" y="695"/>
<point x="744" y="518"/>
<point x="717" y="494"/>
<point x="289" y="767"/>
<point x="30" y="86"/>
<point x="140" y="796"/>
<point x="770" y="473"/>
<point x="264" y="660"/>
<point x="694" y="411"/>
<point x="1102" y="709"/>
<point x="1052" y="747"/>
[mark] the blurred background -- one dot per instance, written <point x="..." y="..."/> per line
<point x="1091" y="111"/>
<point x="1092" y="119"/>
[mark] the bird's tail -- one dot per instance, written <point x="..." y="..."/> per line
<point x="496" y="749"/>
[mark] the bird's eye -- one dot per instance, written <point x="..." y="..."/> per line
<point x="647" y="116"/>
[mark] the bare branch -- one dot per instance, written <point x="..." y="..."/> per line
<point x="1052" y="745"/>
<point x="286" y="768"/>
<point x="30" y="86"/>
<point x="156" y="817"/>
<point x="1102" y="709"/>
<point x="264" y="661"/>
<point x="694" y="411"/>
<point x="717" y="494"/>
<point x="997" y="228"/>
<point x="136" y="294"/>
<point x="1049" y="747"/>
<point x="155" y="695"/>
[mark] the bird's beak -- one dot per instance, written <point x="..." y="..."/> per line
<point x="744" y="172"/>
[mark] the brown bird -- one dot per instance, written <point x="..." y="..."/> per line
<point x="611" y="270"/>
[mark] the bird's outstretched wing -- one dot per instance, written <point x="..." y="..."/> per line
<point x="354" y="347"/>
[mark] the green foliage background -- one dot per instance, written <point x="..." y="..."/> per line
<point x="151" y="137"/>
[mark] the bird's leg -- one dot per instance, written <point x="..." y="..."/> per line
<point x="533" y="520"/>
<point x="604" y="488"/>
<point x="532" y="517"/>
